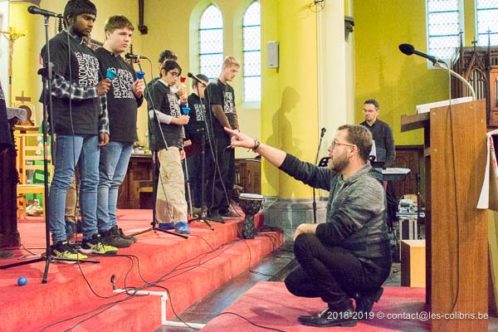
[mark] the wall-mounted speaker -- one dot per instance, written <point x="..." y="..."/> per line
<point x="272" y="54"/>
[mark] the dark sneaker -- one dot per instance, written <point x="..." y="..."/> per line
<point x="66" y="253"/>
<point x="329" y="317"/>
<point x="123" y="235"/>
<point x="166" y="226"/>
<point x="97" y="247"/>
<point x="182" y="227"/>
<point x="365" y="302"/>
<point x="5" y="254"/>
<point x="229" y="214"/>
<point x="112" y="238"/>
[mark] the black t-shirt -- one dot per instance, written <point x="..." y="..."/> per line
<point x="224" y="95"/>
<point x="195" y="129"/>
<point x="160" y="98"/>
<point x="78" y="65"/>
<point x="5" y="136"/>
<point x="121" y="102"/>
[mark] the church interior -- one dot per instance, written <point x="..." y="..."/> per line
<point x="307" y="67"/>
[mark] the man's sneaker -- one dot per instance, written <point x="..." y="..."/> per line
<point x="123" y="235"/>
<point x="66" y="253"/>
<point x="365" y="302"/>
<point x="112" y="238"/>
<point x="97" y="247"/>
<point x="182" y="227"/>
<point x="166" y="226"/>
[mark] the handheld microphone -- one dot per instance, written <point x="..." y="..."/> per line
<point x="135" y="56"/>
<point x="110" y="73"/>
<point x="409" y="50"/>
<point x="140" y="75"/>
<point x="197" y="79"/>
<point x="38" y="11"/>
<point x="323" y="132"/>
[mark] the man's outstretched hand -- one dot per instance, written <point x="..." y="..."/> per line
<point x="240" y="140"/>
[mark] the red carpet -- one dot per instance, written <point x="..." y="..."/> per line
<point x="189" y="269"/>
<point x="269" y="304"/>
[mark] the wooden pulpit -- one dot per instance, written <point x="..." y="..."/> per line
<point x="456" y="231"/>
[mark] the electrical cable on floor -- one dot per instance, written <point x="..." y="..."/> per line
<point x="249" y="321"/>
<point x="147" y="284"/>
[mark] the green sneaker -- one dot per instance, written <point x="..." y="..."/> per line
<point x="64" y="252"/>
<point x="97" y="247"/>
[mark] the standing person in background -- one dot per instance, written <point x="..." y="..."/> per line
<point x="381" y="132"/>
<point x="385" y="151"/>
<point x="221" y="99"/>
<point x="163" y="56"/>
<point x="81" y="125"/>
<point x="6" y="143"/>
<point x="123" y="99"/>
<point x="195" y="131"/>
<point x="167" y="139"/>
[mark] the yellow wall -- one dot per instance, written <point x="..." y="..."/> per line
<point x="397" y="81"/>
<point x="24" y="61"/>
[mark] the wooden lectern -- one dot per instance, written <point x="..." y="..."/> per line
<point x="457" y="240"/>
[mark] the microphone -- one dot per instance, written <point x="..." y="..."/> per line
<point x="135" y="56"/>
<point x="323" y="132"/>
<point x="38" y="11"/>
<point x="409" y="50"/>
<point x="197" y="79"/>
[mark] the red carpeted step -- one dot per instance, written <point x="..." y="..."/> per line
<point x="269" y="304"/>
<point x="203" y="262"/>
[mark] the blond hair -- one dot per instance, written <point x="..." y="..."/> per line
<point x="230" y="61"/>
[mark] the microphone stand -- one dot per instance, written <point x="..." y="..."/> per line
<point x="316" y="161"/>
<point x="437" y="65"/>
<point x="155" y="180"/>
<point x="204" y="215"/>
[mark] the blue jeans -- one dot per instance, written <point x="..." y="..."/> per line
<point x="114" y="158"/>
<point x="69" y="152"/>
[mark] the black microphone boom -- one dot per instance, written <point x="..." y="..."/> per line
<point x="409" y="50"/>
<point x="135" y="56"/>
<point x="38" y="11"/>
<point x="192" y="76"/>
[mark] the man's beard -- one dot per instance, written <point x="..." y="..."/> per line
<point x="339" y="164"/>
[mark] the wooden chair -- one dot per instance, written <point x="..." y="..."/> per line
<point x="29" y="161"/>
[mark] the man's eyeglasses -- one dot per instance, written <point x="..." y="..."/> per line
<point x="336" y="143"/>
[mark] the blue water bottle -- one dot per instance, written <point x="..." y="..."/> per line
<point x="140" y="75"/>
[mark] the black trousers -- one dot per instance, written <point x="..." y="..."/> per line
<point x="223" y="180"/>
<point x="332" y="273"/>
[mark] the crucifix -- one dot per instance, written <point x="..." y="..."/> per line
<point x="12" y="35"/>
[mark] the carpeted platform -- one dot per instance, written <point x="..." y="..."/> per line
<point x="269" y="304"/>
<point x="81" y="297"/>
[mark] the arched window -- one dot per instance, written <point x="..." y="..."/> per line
<point x="211" y="42"/>
<point x="251" y="30"/>
<point x="444" y="24"/>
<point x="487" y="22"/>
